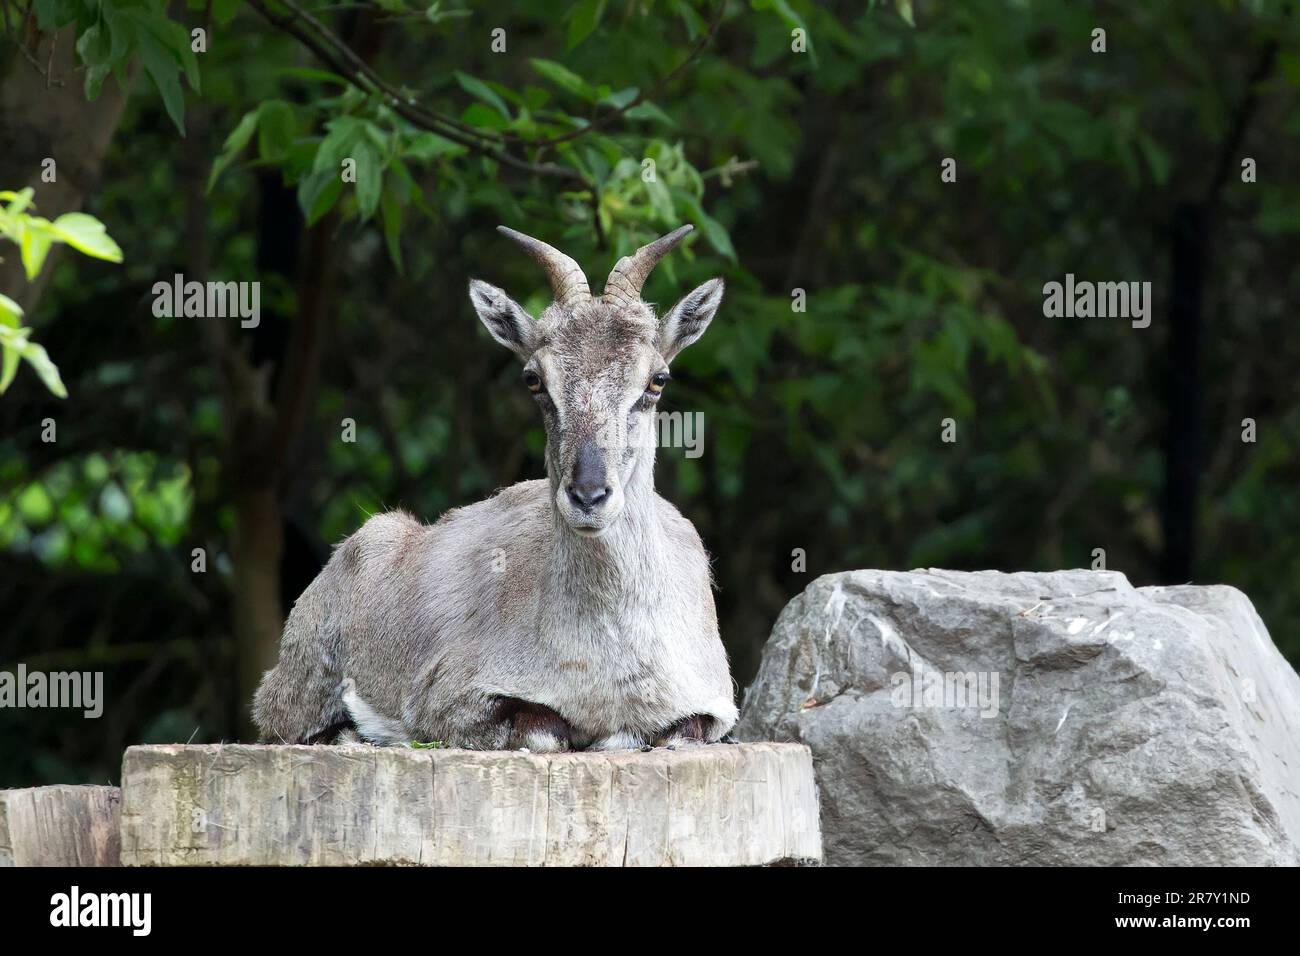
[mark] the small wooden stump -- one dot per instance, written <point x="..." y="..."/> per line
<point x="59" y="826"/>
<point x="243" y="805"/>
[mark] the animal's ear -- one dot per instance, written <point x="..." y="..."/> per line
<point x="509" y="324"/>
<point x="689" y="318"/>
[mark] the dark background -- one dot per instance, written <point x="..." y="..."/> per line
<point x="817" y="171"/>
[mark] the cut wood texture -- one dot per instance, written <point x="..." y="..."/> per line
<point x="59" y="826"/>
<point x="242" y="805"/>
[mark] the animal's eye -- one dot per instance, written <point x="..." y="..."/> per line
<point x="533" y="381"/>
<point x="657" y="382"/>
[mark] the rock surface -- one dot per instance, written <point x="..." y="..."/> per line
<point x="337" y="806"/>
<point x="59" y="826"/>
<point x="1101" y="723"/>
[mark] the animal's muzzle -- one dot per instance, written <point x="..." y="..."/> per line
<point x="589" y="487"/>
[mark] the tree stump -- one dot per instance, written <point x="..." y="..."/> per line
<point x="243" y="805"/>
<point x="59" y="826"/>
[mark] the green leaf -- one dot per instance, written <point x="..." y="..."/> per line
<point x="370" y="179"/>
<point x="1156" y="158"/>
<point x="49" y="373"/>
<point x="19" y="201"/>
<point x="564" y="78"/>
<point x="234" y="144"/>
<point x="34" y="245"/>
<point x="792" y="20"/>
<point x="113" y="503"/>
<point x="164" y="49"/>
<point x="340" y="143"/>
<point x="714" y="231"/>
<point x="8" y="366"/>
<point x="476" y="87"/>
<point x="95" y="49"/>
<point x="390" y="212"/>
<point x="406" y="189"/>
<point x="661" y="200"/>
<point x="583" y="18"/>
<point x="621" y="98"/>
<point x="275" y="129"/>
<point x="696" y="25"/>
<point x="87" y="235"/>
<point x="318" y="192"/>
<point x="904" y="8"/>
<point x="17" y="345"/>
<point x="189" y="61"/>
<point x="223" y="11"/>
<point x="53" y="13"/>
<point x="10" y="312"/>
<point x="427" y="146"/>
<point x="483" y="117"/>
<point x="648" y="111"/>
<point x="434" y="14"/>
<point x="316" y="76"/>
<point x="9" y="318"/>
<point x="161" y="67"/>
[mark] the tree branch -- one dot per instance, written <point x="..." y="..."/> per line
<point x="340" y="57"/>
<point x="1241" y="122"/>
<point x="334" y="52"/>
<point x="608" y="119"/>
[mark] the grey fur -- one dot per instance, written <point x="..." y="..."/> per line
<point x="606" y="616"/>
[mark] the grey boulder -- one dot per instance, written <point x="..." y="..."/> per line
<point x="1037" y="718"/>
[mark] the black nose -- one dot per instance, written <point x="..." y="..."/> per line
<point x="588" y="487"/>
<point x="587" y="494"/>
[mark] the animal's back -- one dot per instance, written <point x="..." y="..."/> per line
<point x="388" y="592"/>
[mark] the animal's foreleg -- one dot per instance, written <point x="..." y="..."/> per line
<point x="372" y="725"/>
<point x="695" y="729"/>
<point x="534" y="727"/>
<point x="619" y="740"/>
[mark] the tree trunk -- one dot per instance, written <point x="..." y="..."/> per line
<point x="256" y="549"/>
<point x="1183" y="393"/>
<point x="44" y="115"/>
<point x="1194" y="227"/>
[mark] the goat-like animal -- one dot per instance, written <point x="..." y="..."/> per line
<point x="569" y="613"/>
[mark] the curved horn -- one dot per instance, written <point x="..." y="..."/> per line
<point x="623" y="287"/>
<point x="567" y="281"/>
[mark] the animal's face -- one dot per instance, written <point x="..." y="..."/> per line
<point x="596" y="369"/>
<point x="596" y="378"/>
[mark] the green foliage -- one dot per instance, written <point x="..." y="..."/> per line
<point x="348" y="145"/>
<point x="113" y="33"/>
<point x="34" y="236"/>
<point x="97" y="512"/>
